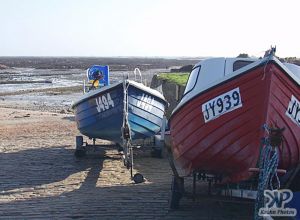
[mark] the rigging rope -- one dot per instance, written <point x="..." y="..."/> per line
<point x="268" y="163"/>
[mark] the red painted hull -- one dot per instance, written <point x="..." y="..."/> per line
<point x="230" y="144"/>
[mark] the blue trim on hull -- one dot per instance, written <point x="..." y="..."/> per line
<point x="104" y="120"/>
<point x="141" y="126"/>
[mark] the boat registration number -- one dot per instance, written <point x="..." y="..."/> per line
<point x="222" y="104"/>
<point x="293" y="111"/>
<point x="104" y="102"/>
<point x="145" y="102"/>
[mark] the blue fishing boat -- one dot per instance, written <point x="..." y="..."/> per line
<point x="120" y="112"/>
<point x="101" y="113"/>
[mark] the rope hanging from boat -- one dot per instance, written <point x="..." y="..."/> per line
<point x="125" y="126"/>
<point x="268" y="163"/>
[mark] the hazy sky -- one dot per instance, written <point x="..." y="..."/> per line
<point x="148" y="27"/>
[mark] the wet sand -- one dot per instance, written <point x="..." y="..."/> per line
<point x="57" y="100"/>
<point x="52" y="90"/>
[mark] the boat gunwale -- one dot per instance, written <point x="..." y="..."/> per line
<point x="94" y="93"/>
<point x="272" y="60"/>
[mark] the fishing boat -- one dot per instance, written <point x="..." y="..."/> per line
<point x="230" y="105"/>
<point x="120" y="112"/>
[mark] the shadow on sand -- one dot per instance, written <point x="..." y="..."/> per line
<point x="36" y="167"/>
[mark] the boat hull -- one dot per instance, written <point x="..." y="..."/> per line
<point x="229" y="144"/>
<point x="101" y="115"/>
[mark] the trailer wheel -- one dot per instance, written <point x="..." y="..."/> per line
<point x="138" y="178"/>
<point x="80" y="150"/>
<point x="79" y="142"/>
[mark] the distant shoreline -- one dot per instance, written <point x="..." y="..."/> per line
<point x="115" y="63"/>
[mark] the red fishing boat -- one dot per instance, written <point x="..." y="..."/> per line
<point x="217" y="127"/>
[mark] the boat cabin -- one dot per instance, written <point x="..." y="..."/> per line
<point x="210" y="72"/>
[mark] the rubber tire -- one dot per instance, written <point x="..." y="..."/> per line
<point x="138" y="178"/>
<point x="79" y="142"/>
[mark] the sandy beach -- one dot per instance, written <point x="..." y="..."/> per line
<point x="222" y="139"/>
<point x="41" y="179"/>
